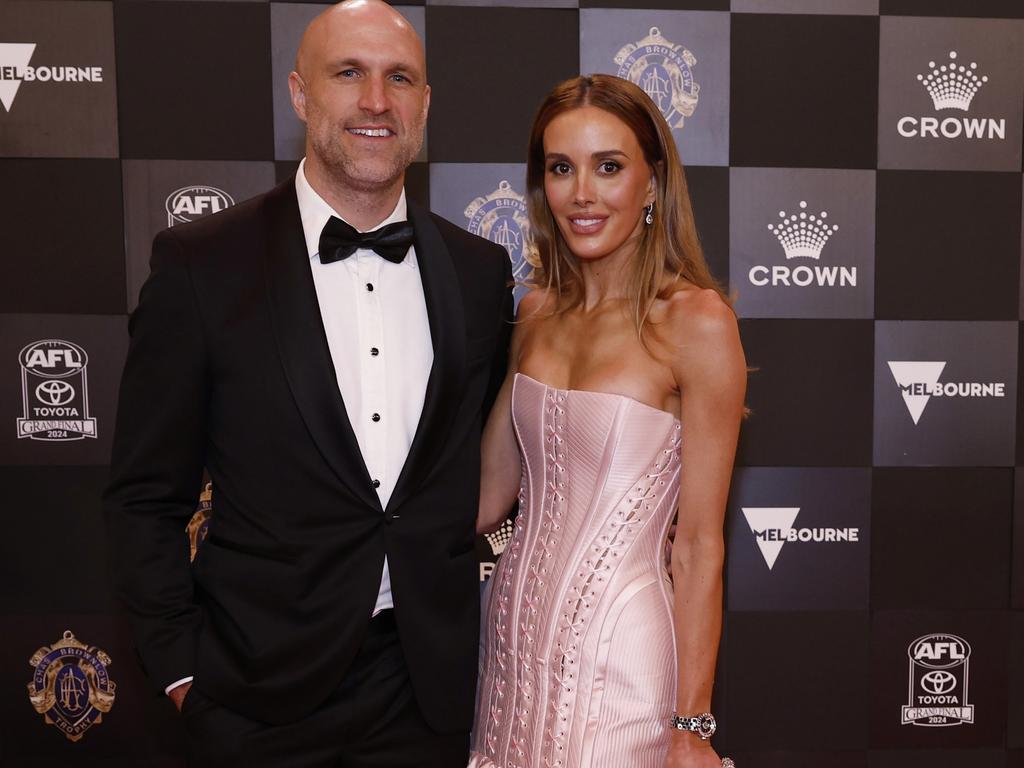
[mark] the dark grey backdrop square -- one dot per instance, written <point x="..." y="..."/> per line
<point x="105" y="341"/>
<point x="809" y="393"/>
<point x="148" y="185"/>
<point x="892" y="632"/>
<point x="806" y="575"/>
<point x="49" y="119"/>
<point x="941" y="236"/>
<point x="196" y="84"/>
<point x="951" y="431"/>
<point x="759" y="197"/>
<point x="961" y="518"/>
<point x="482" y="113"/>
<point x="63" y="245"/>
<point x="796" y="100"/>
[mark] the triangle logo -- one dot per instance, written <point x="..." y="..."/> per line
<point x="770" y="526"/>
<point x="907" y="373"/>
<point x="16" y="56"/>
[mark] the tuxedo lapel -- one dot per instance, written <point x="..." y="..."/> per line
<point x="302" y="343"/>
<point x="448" y="337"/>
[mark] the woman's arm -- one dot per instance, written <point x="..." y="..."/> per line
<point x="711" y="374"/>
<point x="500" y="464"/>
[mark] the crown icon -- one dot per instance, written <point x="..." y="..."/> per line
<point x="500" y="538"/>
<point x="803" y="234"/>
<point x="952" y="85"/>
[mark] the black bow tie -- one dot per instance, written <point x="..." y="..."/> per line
<point x="339" y="241"/>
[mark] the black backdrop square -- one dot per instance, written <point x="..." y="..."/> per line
<point x="810" y="395"/>
<point x="796" y="98"/>
<point x="54" y="531"/>
<point x="892" y="633"/>
<point x="482" y="113"/>
<point x="709" y="192"/>
<point x="986" y="9"/>
<point x="57" y="259"/>
<point x="1017" y="561"/>
<point x="1015" y="723"/>
<point x="194" y="82"/>
<point x="849" y="759"/>
<point x="960" y="517"/>
<point x="675" y="5"/>
<point x="937" y="758"/>
<point x="817" y="662"/>
<point x="965" y="269"/>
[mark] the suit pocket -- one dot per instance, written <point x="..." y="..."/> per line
<point x="267" y="553"/>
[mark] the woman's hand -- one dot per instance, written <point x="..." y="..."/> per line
<point x="686" y="750"/>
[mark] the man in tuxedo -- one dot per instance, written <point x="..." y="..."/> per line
<point x="327" y="351"/>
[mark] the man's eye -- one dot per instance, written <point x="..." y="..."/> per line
<point x="400" y="78"/>
<point x="347" y="73"/>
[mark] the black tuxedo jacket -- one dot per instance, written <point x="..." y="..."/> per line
<point x="229" y="368"/>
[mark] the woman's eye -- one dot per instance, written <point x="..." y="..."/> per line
<point x="609" y="166"/>
<point x="560" y="169"/>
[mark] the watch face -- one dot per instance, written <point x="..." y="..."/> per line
<point x="706" y="726"/>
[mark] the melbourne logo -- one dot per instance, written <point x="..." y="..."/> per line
<point x="665" y="71"/>
<point x="919" y="382"/>
<point x="952" y="86"/>
<point x="802" y="236"/>
<point x="773" y="526"/>
<point x="15" y="70"/>
<point x="190" y="203"/>
<point x="54" y="392"/>
<point x="937" y="689"/>
<point x="501" y="218"/>
<point x="70" y="686"/>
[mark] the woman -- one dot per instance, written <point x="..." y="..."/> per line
<point x="621" y="407"/>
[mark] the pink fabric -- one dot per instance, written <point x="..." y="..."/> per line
<point x="578" y="663"/>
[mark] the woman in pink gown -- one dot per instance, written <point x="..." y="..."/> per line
<point x="618" y="418"/>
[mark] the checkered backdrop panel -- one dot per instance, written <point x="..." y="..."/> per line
<point x="855" y="168"/>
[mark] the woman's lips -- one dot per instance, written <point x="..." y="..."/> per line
<point x="587" y="225"/>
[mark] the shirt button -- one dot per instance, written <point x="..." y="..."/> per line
<point x="369" y="286"/>
<point x="374" y="351"/>
<point x="375" y="417"/>
<point x="376" y="483"/>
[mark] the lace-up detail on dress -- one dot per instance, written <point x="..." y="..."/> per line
<point x="577" y="665"/>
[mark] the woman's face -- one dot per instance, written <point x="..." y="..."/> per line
<point x="596" y="181"/>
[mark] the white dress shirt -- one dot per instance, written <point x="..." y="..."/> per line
<point x="375" y="317"/>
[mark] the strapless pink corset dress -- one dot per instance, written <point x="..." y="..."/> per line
<point x="578" y="662"/>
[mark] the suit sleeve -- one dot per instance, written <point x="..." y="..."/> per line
<point x="157" y="465"/>
<point x="499" y="365"/>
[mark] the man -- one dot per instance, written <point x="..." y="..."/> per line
<point x="333" y="383"/>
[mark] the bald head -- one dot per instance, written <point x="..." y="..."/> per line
<point x="374" y="19"/>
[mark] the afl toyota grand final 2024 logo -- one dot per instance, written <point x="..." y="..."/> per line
<point x="938" y="682"/>
<point x="664" y="70"/>
<point x="54" y="392"/>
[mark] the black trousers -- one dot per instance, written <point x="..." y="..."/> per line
<point x="371" y="721"/>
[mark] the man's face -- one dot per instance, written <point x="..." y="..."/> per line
<point x="364" y="98"/>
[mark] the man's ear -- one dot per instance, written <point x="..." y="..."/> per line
<point x="297" y="89"/>
<point x="426" y="101"/>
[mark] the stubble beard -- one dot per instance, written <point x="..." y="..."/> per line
<point x="366" y="174"/>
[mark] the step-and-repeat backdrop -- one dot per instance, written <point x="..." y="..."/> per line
<point x="856" y="173"/>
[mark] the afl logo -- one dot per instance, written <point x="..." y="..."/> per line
<point x="53" y="358"/>
<point x="191" y="203"/>
<point x="664" y="70"/>
<point x="501" y="218"/>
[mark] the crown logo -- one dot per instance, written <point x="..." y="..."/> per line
<point x="803" y="234"/>
<point x="952" y="85"/>
<point x="500" y="538"/>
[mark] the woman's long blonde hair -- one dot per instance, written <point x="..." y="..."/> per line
<point x="668" y="248"/>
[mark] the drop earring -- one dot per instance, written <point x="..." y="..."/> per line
<point x="649" y="218"/>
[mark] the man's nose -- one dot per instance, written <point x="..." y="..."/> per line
<point x="373" y="97"/>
